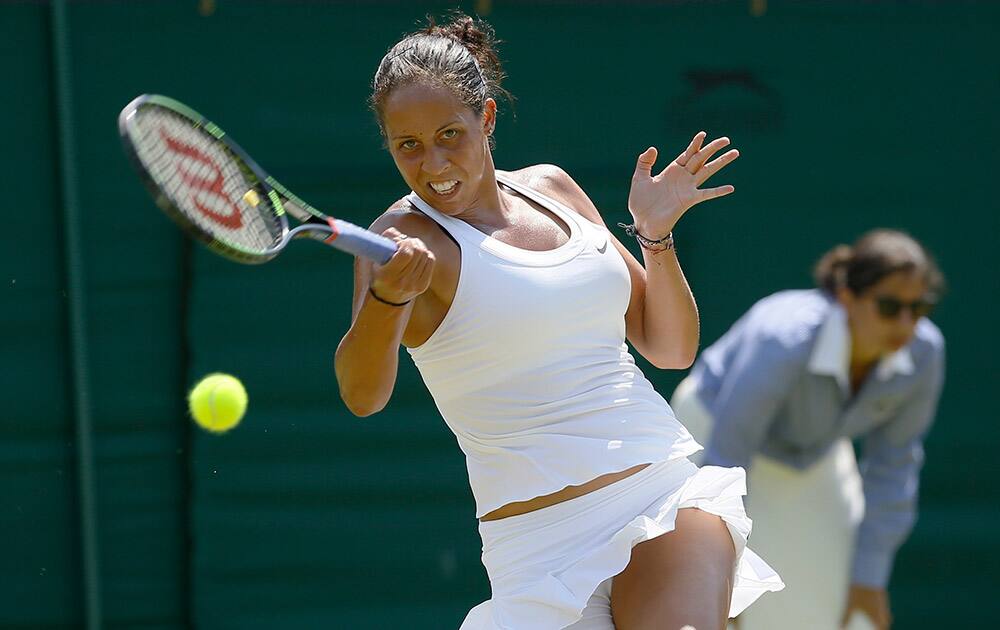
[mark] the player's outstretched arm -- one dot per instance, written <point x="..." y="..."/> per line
<point x="663" y="319"/>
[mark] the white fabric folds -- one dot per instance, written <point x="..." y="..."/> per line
<point x="544" y="565"/>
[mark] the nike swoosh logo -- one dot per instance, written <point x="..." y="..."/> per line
<point x="602" y="248"/>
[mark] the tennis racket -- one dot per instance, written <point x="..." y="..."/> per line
<point x="210" y="187"/>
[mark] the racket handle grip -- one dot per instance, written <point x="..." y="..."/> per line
<point x="361" y="242"/>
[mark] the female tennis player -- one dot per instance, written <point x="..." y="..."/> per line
<point x="783" y="393"/>
<point x="515" y="302"/>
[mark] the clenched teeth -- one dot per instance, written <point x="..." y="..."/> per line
<point x="444" y="187"/>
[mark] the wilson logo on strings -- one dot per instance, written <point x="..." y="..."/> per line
<point x="212" y="186"/>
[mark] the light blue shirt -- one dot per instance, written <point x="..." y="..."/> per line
<point x="777" y="384"/>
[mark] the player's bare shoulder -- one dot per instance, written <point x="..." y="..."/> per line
<point x="545" y="178"/>
<point x="409" y="220"/>
<point x="403" y="216"/>
<point x="553" y="181"/>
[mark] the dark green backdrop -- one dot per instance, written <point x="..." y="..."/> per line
<point x="848" y="115"/>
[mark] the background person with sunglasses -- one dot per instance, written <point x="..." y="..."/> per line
<point x="785" y="391"/>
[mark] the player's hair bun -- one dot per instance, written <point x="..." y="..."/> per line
<point x="478" y="37"/>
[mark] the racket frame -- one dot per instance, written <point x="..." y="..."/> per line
<point x="314" y="224"/>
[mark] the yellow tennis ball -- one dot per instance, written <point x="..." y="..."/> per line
<point x="218" y="402"/>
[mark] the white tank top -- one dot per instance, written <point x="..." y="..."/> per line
<point x="529" y="367"/>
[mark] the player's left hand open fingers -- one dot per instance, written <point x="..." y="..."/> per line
<point x="715" y="166"/>
<point x="644" y="164"/>
<point x="704" y="194"/>
<point x="691" y="149"/>
<point x="698" y="159"/>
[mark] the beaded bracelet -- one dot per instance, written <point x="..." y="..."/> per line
<point x="372" y="292"/>
<point x="663" y="244"/>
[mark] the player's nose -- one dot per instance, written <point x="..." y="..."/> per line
<point x="435" y="163"/>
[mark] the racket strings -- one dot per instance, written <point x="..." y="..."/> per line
<point x="204" y="181"/>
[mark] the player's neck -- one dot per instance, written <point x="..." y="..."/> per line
<point x="489" y="208"/>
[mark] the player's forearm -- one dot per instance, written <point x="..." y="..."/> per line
<point x="670" y="315"/>
<point x="367" y="358"/>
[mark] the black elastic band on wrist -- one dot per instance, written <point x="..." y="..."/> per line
<point x="372" y="292"/>
<point x="663" y="244"/>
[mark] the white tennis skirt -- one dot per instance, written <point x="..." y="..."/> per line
<point x="544" y="566"/>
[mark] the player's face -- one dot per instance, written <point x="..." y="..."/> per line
<point x="884" y="317"/>
<point x="439" y="145"/>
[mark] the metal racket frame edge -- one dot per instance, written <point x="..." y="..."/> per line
<point x="315" y="224"/>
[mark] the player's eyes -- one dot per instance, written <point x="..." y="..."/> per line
<point x="408" y="145"/>
<point x="449" y="134"/>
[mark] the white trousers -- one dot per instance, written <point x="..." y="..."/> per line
<point x="804" y="523"/>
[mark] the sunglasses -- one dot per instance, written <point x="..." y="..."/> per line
<point x="890" y="307"/>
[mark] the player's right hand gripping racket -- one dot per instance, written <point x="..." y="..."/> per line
<point x="207" y="184"/>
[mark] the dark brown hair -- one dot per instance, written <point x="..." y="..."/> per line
<point x="460" y="56"/>
<point x="875" y="255"/>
